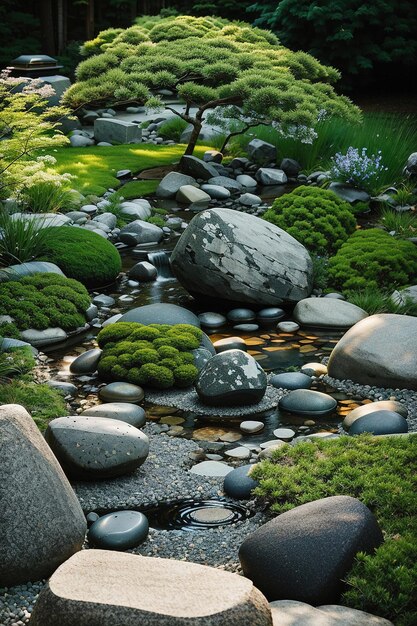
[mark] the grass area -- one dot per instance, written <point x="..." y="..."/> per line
<point x="379" y="471"/>
<point x="394" y="135"/>
<point x="94" y="168"/>
<point x="138" y="189"/>
<point x="375" y="301"/>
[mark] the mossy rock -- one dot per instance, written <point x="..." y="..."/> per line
<point x="317" y="218"/>
<point x="158" y="355"/>
<point x="43" y="301"/>
<point x="83" y="255"/>
<point x="373" y="259"/>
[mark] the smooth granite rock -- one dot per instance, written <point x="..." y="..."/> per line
<point x="201" y="356"/>
<point x="251" y="426"/>
<point x="237" y="316"/>
<point x="293" y="613"/>
<point x="87" y="362"/>
<point x="67" y="389"/>
<point x="212" y="320"/>
<point x="305" y="554"/>
<point x="371" y="407"/>
<point x="101" y="587"/>
<point x="41" y="521"/>
<point x="143" y="271"/>
<point x="16" y="272"/>
<point x="347" y="616"/>
<point x="314" y="369"/>
<point x="246" y="328"/>
<point x="230" y="343"/>
<point x="380" y="350"/>
<point x="227" y="183"/>
<point x="291" y="167"/>
<point x="379" y="423"/>
<point x="171" y="183"/>
<point x="119" y="531"/>
<point x="192" y="166"/>
<point x="160" y="313"/>
<point x="140" y="232"/>
<point x="116" y="131"/>
<point x="231" y="378"/>
<point x="221" y="248"/>
<point x="123" y="411"/>
<point x="238" y="484"/>
<point x="134" y="211"/>
<point x="327" y="313"/>
<point x="121" y="392"/>
<point x="188" y="194"/>
<point x="216" y="192"/>
<point x="269" y="316"/>
<point x="41" y="338"/>
<point x="288" y="327"/>
<point x="270" y="176"/>
<point x="307" y="402"/>
<point x="91" y="448"/>
<point x="246" y="181"/>
<point x="349" y="193"/>
<point x="291" y="380"/>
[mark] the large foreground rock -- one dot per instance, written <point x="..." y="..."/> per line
<point x="305" y="554"/>
<point x="242" y="258"/>
<point x="105" y="588"/>
<point x="41" y="521"/>
<point x="380" y="350"/>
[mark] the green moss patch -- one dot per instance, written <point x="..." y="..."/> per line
<point x="373" y="259"/>
<point x="41" y="401"/>
<point x="83" y="255"/>
<point x="317" y="218"/>
<point x="42" y="301"/>
<point x="158" y="355"/>
<point x="381" y="472"/>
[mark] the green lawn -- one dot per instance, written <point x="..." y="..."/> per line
<point x="94" y="168"/>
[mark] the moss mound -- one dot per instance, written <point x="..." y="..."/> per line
<point x="317" y="218"/>
<point x="373" y="259"/>
<point x="83" y="255"/>
<point x="381" y="472"/>
<point x="42" y="301"/>
<point x="157" y="355"/>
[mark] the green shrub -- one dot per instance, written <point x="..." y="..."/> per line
<point x="41" y="301"/>
<point x="381" y="473"/>
<point x="172" y="129"/>
<point x="157" y="355"/>
<point x="317" y="218"/>
<point x="372" y="259"/>
<point x="157" y="220"/>
<point x="403" y="224"/>
<point x="83" y="255"/>
<point x="379" y="301"/>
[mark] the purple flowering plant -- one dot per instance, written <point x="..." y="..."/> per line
<point x="357" y="168"/>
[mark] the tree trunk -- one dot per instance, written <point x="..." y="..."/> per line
<point x="89" y="22"/>
<point x="47" y="27"/>
<point x="194" y="137"/>
<point x="61" y="25"/>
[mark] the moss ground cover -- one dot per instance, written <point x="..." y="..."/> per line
<point x="83" y="255"/>
<point x="94" y="168"/>
<point x="381" y="472"/>
<point x="158" y="355"/>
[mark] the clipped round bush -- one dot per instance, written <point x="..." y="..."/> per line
<point x="157" y="355"/>
<point x="373" y="259"/>
<point x="316" y="217"/>
<point x="83" y="255"/>
<point x="42" y="301"/>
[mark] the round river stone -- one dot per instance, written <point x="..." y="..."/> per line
<point x="230" y="343"/>
<point x="270" y="315"/>
<point x="121" y="392"/>
<point x="365" y="409"/>
<point x="380" y="423"/>
<point x="238" y="484"/>
<point x="291" y="380"/>
<point x="211" y="514"/>
<point x="119" y="531"/>
<point x="212" y="320"/>
<point x="239" y="316"/>
<point x="307" y="402"/>
<point x="123" y="411"/>
<point x="87" y="362"/>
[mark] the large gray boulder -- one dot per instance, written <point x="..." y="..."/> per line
<point x="305" y="554"/>
<point x="16" y="272"/>
<point x="103" y="587"/>
<point x="116" y="131"/>
<point x="172" y="182"/>
<point x="195" y="167"/>
<point x="139" y="231"/>
<point x="380" y="350"/>
<point x="327" y="313"/>
<point x="41" y="521"/>
<point x="160" y="313"/>
<point x="242" y="258"/>
<point x="261" y="151"/>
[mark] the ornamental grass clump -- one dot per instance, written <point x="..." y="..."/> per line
<point x="43" y="301"/>
<point x="359" y="169"/>
<point x="158" y="355"/>
<point x="317" y="218"/>
<point x="373" y="259"/>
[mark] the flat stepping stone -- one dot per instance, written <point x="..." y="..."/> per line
<point x="90" y="448"/>
<point x="211" y="514"/>
<point x="238" y="453"/>
<point x="119" y="531"/>
<point x="251" y="426"/>
<point x="121" y="392"/>
<point x="284" y="433"/>
<point x="382" y="405"/>
<point x="291" y="380"/>
<point x="127" y="589"/>
<point x="123" y="411"/>
<point x="87" y="362"/>
<point x="272" y="443"/>
<point x="211" y="468"/>
<point x="307" y="402"/>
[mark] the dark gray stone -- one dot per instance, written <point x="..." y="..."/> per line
<point x="230" y="343"/>
<point x="201" y="356"/>
<point x="67" y="389"/>
<point x="241" y="315"/>
<point x="348" y="193"/>
<point x="161" y="313"/>
<point x="232" y="378"/>
<point x="239" y="257"/>
<point x="270" y="316"/>
<point x="192" y="166"/>
<point x="212" y="320"/>
<point x="139" y="231"/>
<point x="41" y="521"/>
<point x="171" y="183"/>
<point x="262" y="151"/>
<point x="291" y="380"/>
<point x="224" y="181"/>
<point x="212" y="156"/>
<point x="304" y="554"/>
<point x="15" y="272"/>
<point x="371" y="407"/>
<point x="238" y="484"/>
<point x="91" y="448"/>
<point x="307" y="402"/>
<point x="246" y="328"/>
<point x="87" y="362"/>
<point x="123" y="411"/>
<point x="121" y="392"/>
<point x="291" y="167"/>
<point x="91" y="518"/>
<point x="119" y="531"/>
<point x="270" y="176"/>
<point x="143" y="271"/>
<point x="379" y="423"/>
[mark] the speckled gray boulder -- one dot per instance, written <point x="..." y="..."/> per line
<point x="239" y="257"/>
<point x="41" y="521"/>
<point x="327" y="313"/>
<point x="380" y="350"/>
<point x="304" y="554"/>
<point x="90" y="448"/>
<point x="231" y="378"/>
<point x="101" y="587"/>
